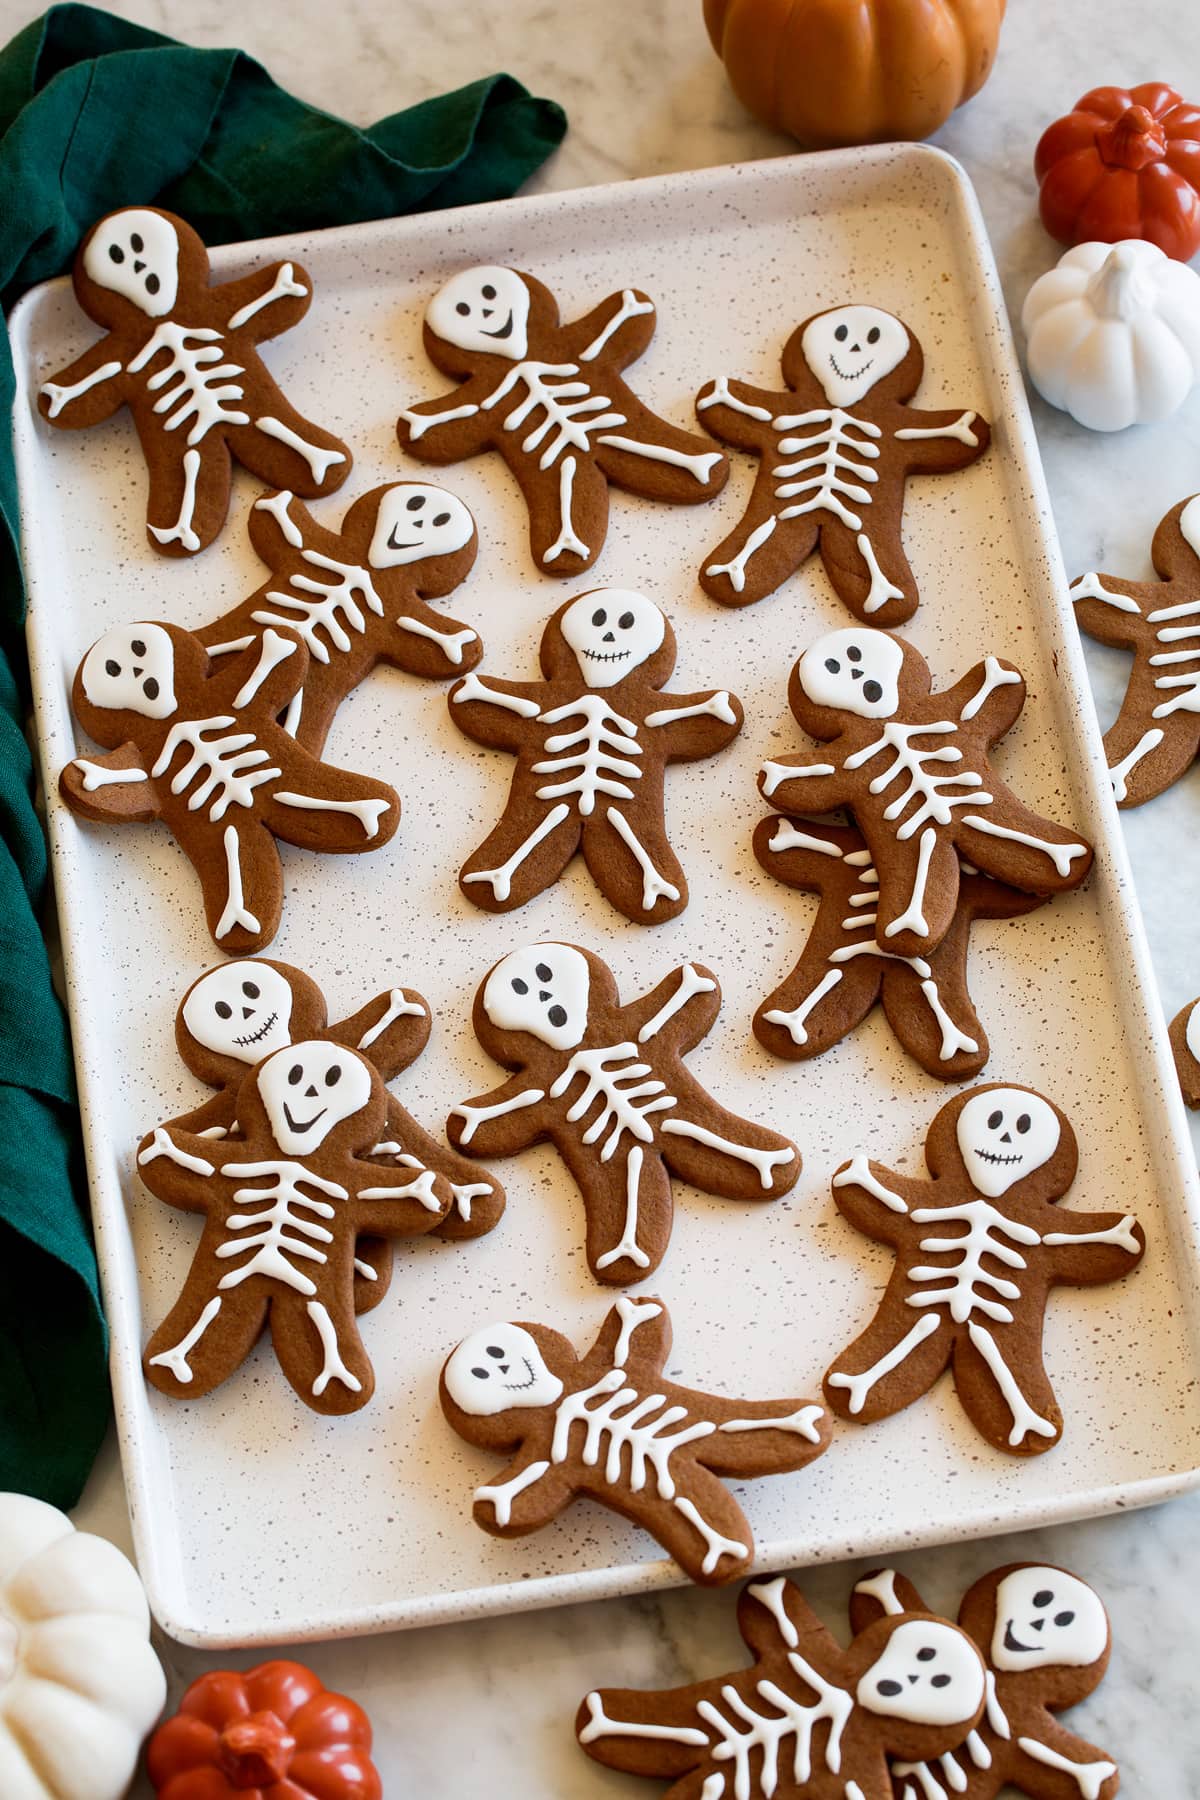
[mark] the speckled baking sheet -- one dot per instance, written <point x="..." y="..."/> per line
<point x="257" y="1520"/>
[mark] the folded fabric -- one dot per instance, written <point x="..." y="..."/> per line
<point x="97" y="113"/>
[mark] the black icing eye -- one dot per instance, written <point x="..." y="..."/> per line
<point x="488" y="292"/>
<point x="1043" y="1597"/>
<point x="115" y="253"/>
<point x="480" y="1374"/>
<point x="842" y="333"/>
<point x="926" y="1655"/>
<point x="152" y="284"/>
<point x="833" y="665"/>
<point x="995" y="1121"/>
<point x="854" y="653"/>
<point x="557" y="1015"/>
<point x="890" y="1687"/>
<point x="941" y="1681"/>
<point x="442" y="519"/>
<point x="462" y="309"/>
<point x="599" y="616"/>
<point x="334" y="1075"/>
<point x="295" y="1075"/>
<point x="138" y="647"/>
<point x="416" y="503"/>
<point x="137" y="243"/>
<point x="519" y="986"/>
<point x="150" y="688"/>
<point x="873" y="335"/>
<point x="495" y="1350"/>
<point x="222" y="1010"/>
<point x="625" y="621"/>
<point x="112" y="668"/>
<point x="251" y="990"/>
<point x="543" y="972"/>
<point x="1023" y="1123"/>
<point x="871" y="691"/>
<point x="1064" y="1619"/>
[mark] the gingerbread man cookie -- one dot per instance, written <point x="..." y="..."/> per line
<point x="978" y="1249"/>
<point x="357" y="596"/>
<point x="1156" y="734"/>
<point x="1045" y="1642"/>
<point x="198" y="745"/>
<point x="913" y="768"/>
<point x="610" y="1425"/>
<point x="808" y="1720"/>
<point x="607" y="1085"/>
<point x="240" y="1012"/>
<point x="835" y="449"/>
<point x="843" y="972"/>
<point x="1185" y="1044"/>
<point x="551" y="399"/>
<point x="285" y="1201"/>
<point x="593" y="740"/>
<point x="183" y="356"/>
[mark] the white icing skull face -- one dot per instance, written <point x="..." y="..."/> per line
<point x="499" y="1367"/>
<point x="929" y="1674"/>
<point x="1004" y="1135"/>
<point x="855" y="671"/>
<point x="242" y="1009"/>
<point x="132" y="669"/>
<point x="612" y="632"/>
<point x="1192" y="1031"/>
<point x="307" y="1090"/>
<point x="851" y="349"/>
<point x="482" y="309"/>
<point x="542" y="989"/>
<point x="136" y="254"/>
<point x="415" y="522"/>
<point x="1047" y="1620"/>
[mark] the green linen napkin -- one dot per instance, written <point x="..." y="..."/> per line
<point x="97" y="113"/>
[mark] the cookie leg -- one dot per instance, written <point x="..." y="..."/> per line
<point x="895" y="1360"/>
<point x="189" y="497"/>
<point x="372" y="1272"/>
<point x="759" y="554"/>
<point x="206" y="1335"/>
<point x="933" y="1018"/>
<point x="568" y="514"/>
<point x="705" y="1530"/>
<point x="918" y="891"/>
<point x="869" y="571"/>
<point x="321" y="1354"/>
<point x="819" y="1004"/>
<point x="633" y="865"/>
<point x="1004" y="1388"/>
<point x="1146" y="756"/>
<point x="521" y="857"/>
<point x="629" y="1209"/>
<point x="286" y="450"/>
<point x="239" y="868"/>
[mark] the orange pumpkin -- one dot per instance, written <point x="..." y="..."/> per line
<point x="855" y="71"/>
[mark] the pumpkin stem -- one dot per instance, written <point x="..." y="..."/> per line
<point x="256" y="1751"/>
<point x="1121" y="287"/>
<point x="1133" y="141"/>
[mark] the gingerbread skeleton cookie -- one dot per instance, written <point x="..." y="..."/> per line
<point x="240" y="1012"/>
<point x="835" y="449"/>
<point x="978" y="1249"/>
<point x="610" y="1425"/>
<point x="198" y="745"/>
<point x="357" y="596"/>
<point x="550" y="398"/>
<point x="1045" y="1642"/>
<point x="607" y="1085"/>
<point x="592" y="740"/>
<point x="1156" y="734"/>
<point x="285" y="1201"/>
<point x="842" y="972"/>
<point x="807" y="1720"/>
<point x="914" y="769"/>
<point x="183" y="356"/>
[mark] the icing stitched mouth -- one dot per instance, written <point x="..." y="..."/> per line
<point x="295" y="1124"/>
<point x="519" y="1387"/>
<point x="504" y="331"/>
<point x="849" y="374"/>
<point x="1014" y="1643"/>
<point x="991" y="1157"/>
<point x="244" y="1043"/>
<point x="607" y="655"/>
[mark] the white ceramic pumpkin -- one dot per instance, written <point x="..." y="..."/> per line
<point x="1114" y="334"/>
<point x="79" y="1684"/>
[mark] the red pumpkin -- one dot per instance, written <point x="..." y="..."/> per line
<point x="1124" y="164"/>
<point x="273" y="1733"/>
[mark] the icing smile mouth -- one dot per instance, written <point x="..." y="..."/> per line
<point x="850" y="374"/>
<point x="1013" y="1643"/>
<point x="255" y="1037"/>
<point x="519" y="1387"/>
<point x="394" y="544"/>
<point x="504" y="331"/>
<point x="295" y="1124"/>
<point x="607" y="655"/>
<point x="992" y="1156"/>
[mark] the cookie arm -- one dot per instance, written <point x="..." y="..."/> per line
<point x="656" y="1734"/>
<point x="1061" y="1766"/>
<point x="881" y="1594"/>
<point x="802" y="784"/>
<point x="674" y="1016"/>
<point x="494" y="712"/>
<point x="87" y="391"/>
<point x="177" y="1166"/>
<point x="685" y="727"/>
<point x="266" y="303"/>
<point x="763" y="1437"/>
<point x="639" y="1328"/>
<point x="453" y="426"/>
<point x="739" y="414"/>
<point x="989" y="698"/>
<point x="528" y="1494"/>
<point x="876" y="1201"/>
<point x="1091" y="1247"/>
<point x="500" y="1123"/>
<point x="398" y="1201"/>
<point x="937" y="442"/>
<point x="265" y="676"/>
<point x="1113" y="611"/>
<point x="618" y="329"/>
<point x="114" y="787"/>
<point x="390" y="1031"/>
<point x="281" y="527"/>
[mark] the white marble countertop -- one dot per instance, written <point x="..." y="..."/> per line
<point x="486" y="1709"/>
